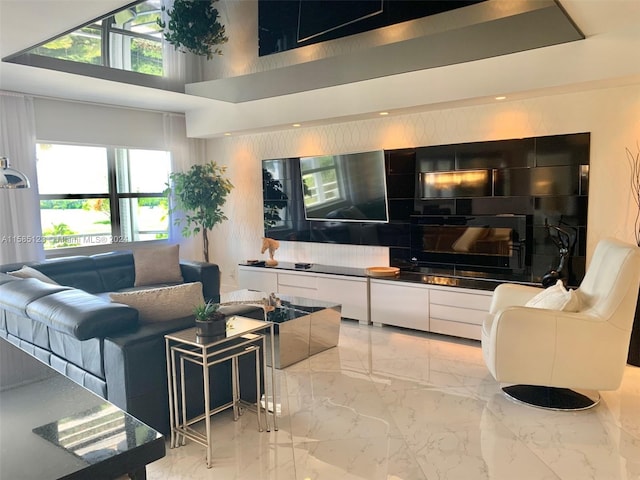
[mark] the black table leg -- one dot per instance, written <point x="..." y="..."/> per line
<point x="140" y="474"/>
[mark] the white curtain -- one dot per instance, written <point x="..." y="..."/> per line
<point x="180" y="68"/>
<point x="20" y="229"/>
<point x="184" y="153"/>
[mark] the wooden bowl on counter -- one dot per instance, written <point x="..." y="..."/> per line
<point x="382" y="271"/>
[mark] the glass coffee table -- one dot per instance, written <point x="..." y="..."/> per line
<point x="302" y="326"/>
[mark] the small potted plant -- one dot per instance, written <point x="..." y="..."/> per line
<point x="210" y="321"/>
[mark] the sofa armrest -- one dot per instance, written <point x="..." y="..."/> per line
<point x="206" y="273"/>
<point x="512" y="295"/>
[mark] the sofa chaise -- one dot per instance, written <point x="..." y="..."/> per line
<point x="67" y="319"/>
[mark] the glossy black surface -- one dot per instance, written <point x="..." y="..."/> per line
<point x="545" y="179"/>
<point x="552" y="398"/>
<point x="358" y="191"/>
<point x="447" y="276"/>
<point x="288" y="24"/>
<point x="456" y="184"/>
<point x="497" y="241"/>
<point x="54" y="428"/>
<point x="97" y="434"/>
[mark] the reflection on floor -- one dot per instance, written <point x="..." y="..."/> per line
<point x="396" y="404"/>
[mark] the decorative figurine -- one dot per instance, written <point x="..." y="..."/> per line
<point x="271" y="245"/>
<point x="564" y="241"/>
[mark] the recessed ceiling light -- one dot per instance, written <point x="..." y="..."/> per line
<point x="501" y="97"/>
<point x="296" y="125"/>
<point x="227" y="134"/>
<point x="383" y="113"/>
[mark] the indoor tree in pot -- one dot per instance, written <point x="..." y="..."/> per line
<point x="210" y="321"/>
<point x="200" y="193"/>
<point x="193" y="26"/>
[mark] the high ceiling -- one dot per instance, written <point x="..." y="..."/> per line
<point x="607" y="25"/>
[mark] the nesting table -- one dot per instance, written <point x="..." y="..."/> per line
<point x="245" y="336"/>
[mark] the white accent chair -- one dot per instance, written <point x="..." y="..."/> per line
<point x="538" y="348"/>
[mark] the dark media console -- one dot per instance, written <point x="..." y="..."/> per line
<point x="474" y="207"/>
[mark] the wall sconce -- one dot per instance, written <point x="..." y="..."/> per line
<point x="11" y="178"/>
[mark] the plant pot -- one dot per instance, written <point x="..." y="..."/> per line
<point x="214" y="327"/>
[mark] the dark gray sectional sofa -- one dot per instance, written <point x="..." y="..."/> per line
<point x="74" y="328"/>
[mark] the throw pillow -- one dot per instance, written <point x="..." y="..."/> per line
<point x="163" y="303"/>
<point x="159" y="264"/>
<point x="556" y="298"/>
<point x="28" y="272"/>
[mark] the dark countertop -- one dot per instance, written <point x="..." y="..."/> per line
<point x="449" y="277"/>
<point x="54" y="428"/>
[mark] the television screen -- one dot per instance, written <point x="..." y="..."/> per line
<point x="345" y="188"/>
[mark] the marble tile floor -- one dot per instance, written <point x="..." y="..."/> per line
<point x="395" y="404"/>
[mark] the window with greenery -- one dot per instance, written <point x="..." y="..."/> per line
<point x="96" y="195"/>
<point x="129" y="39"/>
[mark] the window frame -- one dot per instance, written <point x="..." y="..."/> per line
<point x="103" y="71"/>
<point x="113" y="195"/>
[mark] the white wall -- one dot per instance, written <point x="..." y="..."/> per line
<point x="612" y="115"/>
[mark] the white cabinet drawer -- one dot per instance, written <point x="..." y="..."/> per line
<point x="255" y="279"/>
<point x="457" y="314"/>
<point x="402" y="305"/>
<point x="350" y="293"/>
<point x="300" y="280"/>
<point x="476" y="301"/>
<point x="456" y="329"/>
<point x="298" y="291"/>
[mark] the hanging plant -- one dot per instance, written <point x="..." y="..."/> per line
<point x="193" y="26"/>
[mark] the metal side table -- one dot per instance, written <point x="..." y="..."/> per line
<point x="244" y="336"/>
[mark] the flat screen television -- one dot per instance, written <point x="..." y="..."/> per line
<point x="345" y="188"/>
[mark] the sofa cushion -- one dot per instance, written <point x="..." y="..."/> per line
<point x="115" y="269"/>
<point x="164" y="303"/>
<point x="157" y="264"/>
<point x="82" y="315"/>
<point x="16" y="296"/>
<point x="28" y="272"/>
<point x="556" y="297"/>
<point x="78" y="272"/>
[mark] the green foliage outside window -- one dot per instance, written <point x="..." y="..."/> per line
<point x="83" y="46"/>
<point x="59" y="236"/>
<point x="86" y="47"/>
